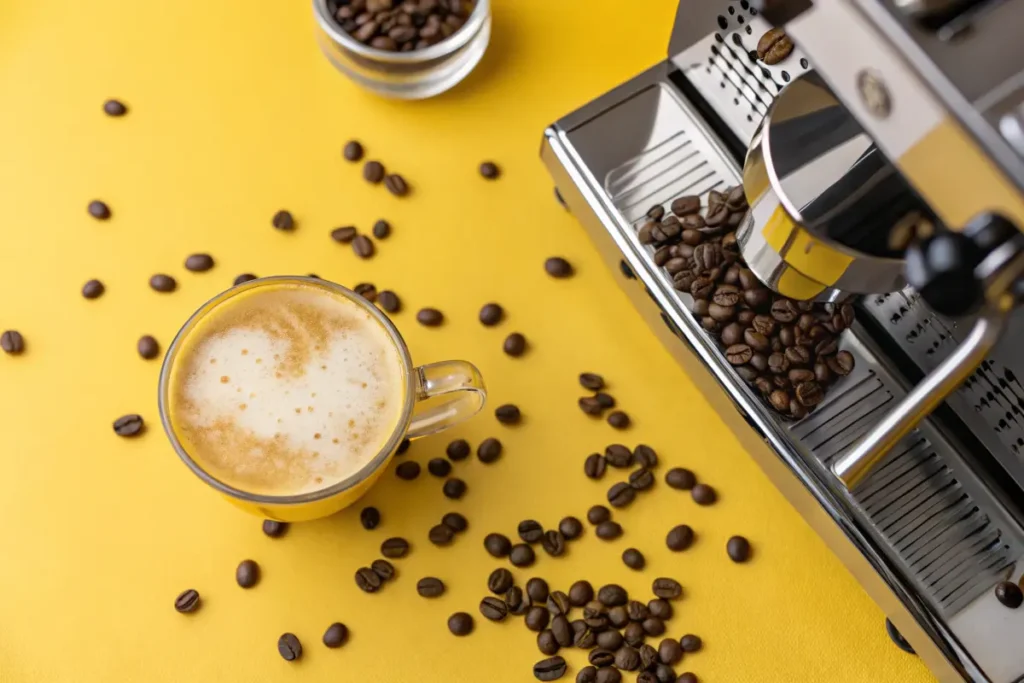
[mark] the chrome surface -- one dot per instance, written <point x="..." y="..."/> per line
<point x="1011" y="125"/>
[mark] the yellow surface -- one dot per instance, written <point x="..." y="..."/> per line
<point x="234" y="115"/>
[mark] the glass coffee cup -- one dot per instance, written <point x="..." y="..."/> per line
<point x="290" y="396"/>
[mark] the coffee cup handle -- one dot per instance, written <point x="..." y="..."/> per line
<point x="446" y="394"/>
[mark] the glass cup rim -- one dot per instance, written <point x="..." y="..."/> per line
<point x="445" y="47"/>
<point x="353" y="480"/>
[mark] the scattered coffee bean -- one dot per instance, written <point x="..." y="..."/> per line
<point x="489" y="170"/>
<point x="608" y="675"/>
<point x="547" y="643"/>
<point x="645" y="456"/>
<point x="163" y="283"/>
<point x="619" y="420"/>
<point x="499" y="581"/>
<point x="633" y="558"/>
<point x="679" y="538"/>
<point x="126" y="425"/>
<point x="604" y="400"/>
<point x="703" y="494"/>
<point x="521" y="555"/>
<point x="537" y="590"/>
<point x="1009" y="594"/>
<point x="460" y="624"/>
<point x="558" y="267"/>
<point x="608" y="530"/>
<point x="660" y="608"/>
<point x="396" y="185"/>
<point x="367" y="580"/>
<point x="455" y="521"/>
<point x="637" y="610"/>
<point x="583" y="636"/>
<point x="199" y="263"/>
<point x="580" y="593"/>
<point x="439" y="467"/>
<point x="537" y="618"/>
<point x="641" y="479"/>
<point x="646" y="677"/>
<point x="244" y="277"/>
<point x="114" y="108"/>
<point x="493" y="609"/>
<point x="454" y="488"/>
<point x="612" y="595"/>
<point x="384" y="569"/>
<point x="363" y="246"/>
<point x="93" y="289"/>
<point x="571" y="528"/>
<point x="99" y="210"/>
<point x="621" y="494"/>
<point x="587" y="674"/>
<point x="690" y="643"/>
<point x="429" y="587"/>
<point x="187" y="601"/>
<point x="489" y="450"/>
<point x="619" y="618"/>
<point x="369" y="517"/>
<point x="247" y="574"/>
<point x="289" y="647"/>
<point x="344" y="235"/>
<point x="627" y="658"/>
<point x="549" y="669"/>
<point x="491" y="315"/>
<point x="403" y="446"/>
<point x="618" y="456"/>
<point x="429" y="317"/>
<point x="389" y="301"/>
<point x="653" y="626"/>
<point x="668" y="589"/>
<point x="441" y="534"/>
<point x="283" y="220"/>
<point x="591" y="406"/>
<point x="530" y="531"/>
<point x="394" y="548"/>
<point x="508" y="414"/>
<point x="335" y="635"/>
<point x="609" y="640"/>
<point x="634" y="634"/>
<point x="274" y="528"/>
<point x="458" y="450"/>
<point x="738" y="549"/>
<point x="601" y="658"/>
<point x="381" y="229"/>
<point x="598" y="514"/>
<point x="591" y="381"/>
<point x="687" y="677"/>
<point x="774" y="46"/>
<point x="680" y="478"/>
<point x="148" y="347"/>
<point x="517" y="602"/>
<point x="553" y="543"/>
<point x="562" y="630"/>
<point x="515" y="345"/>
<point x="353" y="151"/>
<point x="367" y="290"/>
<point x="408" y="470"/>
<point x="497" y="545"/>
<point x="373" y="172"/>
<point x="558" y="603"/>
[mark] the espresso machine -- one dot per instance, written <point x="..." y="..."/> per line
<point x="883" y="163"/>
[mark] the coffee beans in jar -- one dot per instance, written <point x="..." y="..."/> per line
<point x="400" y="27"/>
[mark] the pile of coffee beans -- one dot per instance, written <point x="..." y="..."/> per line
<point x="400" y="25"/>
<point x="788" y="350"/>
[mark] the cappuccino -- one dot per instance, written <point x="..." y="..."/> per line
<point x="287" y="388"/>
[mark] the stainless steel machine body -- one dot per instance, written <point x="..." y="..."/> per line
<point x="930" y="529"/>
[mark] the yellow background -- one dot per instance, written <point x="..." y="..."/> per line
<point x="234" y="115"/>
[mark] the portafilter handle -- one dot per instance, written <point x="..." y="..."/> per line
<point x="940" y="269"/>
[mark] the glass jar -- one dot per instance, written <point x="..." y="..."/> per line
<point x="406" y="75"/>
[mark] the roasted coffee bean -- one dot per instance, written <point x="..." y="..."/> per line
<point x="594" y="466"/>
<point x="99" y="210"/>
<point x="521" y="555"/>
<point x="549" y="669"/>
<point x="764" y="385"/>
<point x="515" y="345"/>
<point x="516" y="601"/>
<point x="798" y="355"/>
<point x="187" y="601"/>
<point x="335" y="635"/>
<point x="690" y="643"/>
<point x="148" y="347"/>
<point x="822" y="375"/>
<point x="363" y="247"/>
<point x="796" y="409"/>
<point x="458" y="450"/>
<point x="114" y="108"/>
<point x="621" y="494"/>
<point x="721" y="314"/>
<point x="809" y="394"/>
<point x="367" y="290"/>
<point x="395" y="547"/>
<point x="530" y="531"/>
<point x="441" y="534"/>
<point x="612" y="595"/>
<point x="553" y="543"/>
<point x="500" y="581"/>
<point x="537" y="590"/>
<point x="841" y="364"/>
<point x="608" y="675"/>
<point x="396" y="185"/>
<point x="634" y="634"/>
<point x="430" y="587"/>
<point x="384" y="569"/>
<point x="571" y="528"/>
<point x="637" y="610"/>
<point x="653" y="627"/>
<point x="343" y="235"/>
<point x="508" y="414"/>
<point x="601" y="658"/>
<point x="700" y="308"/>
<point x="778" y="364"/>
<point x="703" y="494"/>
<point x="244" y="277"/>
<point x="668" y="589"/>
<point x="587" y="674"/>
<point x="764" y="325"/>
<point x="645" y="456"/>
<point x="664" y="673"/>
<point x="563" y="632"/>
<point x="126" y="425"/>
<point x="546" y="642"/>
<point x="367" y="580"/>
<point x="274" y="529"/>
<point x="460" y="624"/>
<point x="489" y="170"/>
<point x="619" y="419"/>
<point x="493" y="609"/>
<point x="618" y="455"/>
<point x="641" y="479"/>
<point x="608" y="530"/>
<point x="784" y="311"/>
<point x="610" y="640"/>
<point x="680" y="478"/>
<point x="1009" y="594"/>
<point x="580" y="593"/>
<point x="455" y="521"/>
<point x="289" y="647"/>
<point x="199" y="263"/>
<point x="702" y="288"/>
<point x="799" y="375"/>
<point x="747" y="372"/>
<point x="93" y="289"/>
<point x="558" y="603"/>
<point x="537" y="618"/>
<point x="591" y="406"/>
<point x="679" y="538"/>
<point x="756" y="340"/>
<point x="283" y="220"/>
<point x="489" y="450"/>
<point x="618" y="616"/>
<point x="408" y="470"/>
<point x="627" y="658"/>
<point x="732" y="334"/>
<point x="738" y="549"/>
<point x="594" y="609"/>
<point x="558" y="267"/>
<point x="439" y="467"/>
<point x="633" y="558"/>
<point x="163" y="283"/>
<point x="739" y="354"/>
<point x="591" y="381"/>
<point x="454" y="488"/>
<point x="247" y="574"/>
<point x="805" y="322"/>
<point x="598" y="514"/>
<point x="757" y="299"/>
<point x="648" y="656"/>
<point x="373" y="172"/>
<point x="497" y="545"/>
<point x="491" y="314"/>
<point x="353" y="151"/>
<point x="684" y="206"/>
<point x="774" y="46"/>
<point x="429" y="317"/>
<point x="826" y="347"/>
<point x="662" y="609"/>
<point x="583" y="638"/>
<point x="726" y="295"/>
